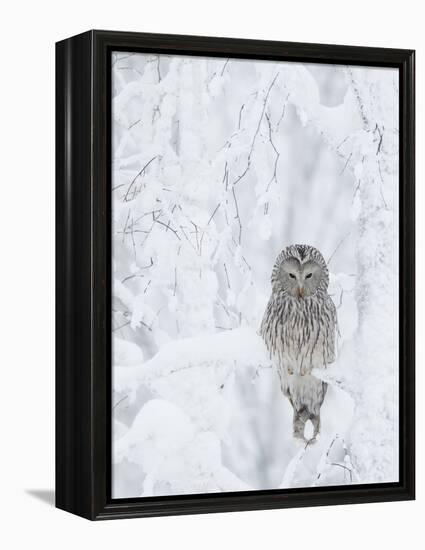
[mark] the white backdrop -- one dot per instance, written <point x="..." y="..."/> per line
<point x="29" y="31"/>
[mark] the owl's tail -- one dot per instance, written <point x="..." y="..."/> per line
<point x="307" y="409"/>
<point x="304" y="414"/>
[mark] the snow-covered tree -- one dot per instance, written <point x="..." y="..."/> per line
<point x="217" y="165"/>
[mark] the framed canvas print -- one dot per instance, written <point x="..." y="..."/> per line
<point x="235" y="274"/>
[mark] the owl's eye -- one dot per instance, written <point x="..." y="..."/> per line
<point x="308" y="275"/>
<point x="292" y="276"/>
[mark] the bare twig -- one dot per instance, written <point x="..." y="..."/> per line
<point x="224" y="67"/>
<point x="196" y="234"/>
<point x="342" y="143"/>
<point x="117" y="59"/>
<point x="158" y="70"/>
<point x="237" y="217"/>
<point x="168" y="227"/>
<point x="361" y="105"/>
<point x="125" y="225"/>
<point x="381" y="184"/>
<point x="266" y="98"/>
<point x="132" y="239"/>
<point x="240" y="115"/>
<point x="226" y="175"/>
<point x="381" y="135"/>
<point x="213" y="214"/>
<point x="223" y="305"/>
<point x="274" y="177"/>
<point x="246" y="263"/>
<point x="133" y="181"/>
<point x="120" y="327"/>
<point x="188" y="240"/>
<point x="152" y="213"/>
<point x="283" y="112"/>
<point x="336" y="437"/>
<point x="138" y="275"/>
<point x="346" y="164"/>
<point x="227" y="276"/>
<point x="208" y="223"/>
<point x="148" y="233"/>
<point x="345" y="468"/>
<point x="119" y="402"/>
<point x="336" y="249"/>
<point x="134" y="276"/>
<point x="134" y="124"/>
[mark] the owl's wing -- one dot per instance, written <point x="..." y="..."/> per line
<point x="331" y="331"/>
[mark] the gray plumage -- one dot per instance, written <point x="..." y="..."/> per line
<point x="299" y="327"/>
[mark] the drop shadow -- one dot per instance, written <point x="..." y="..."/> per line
<point x="45" y="495"/>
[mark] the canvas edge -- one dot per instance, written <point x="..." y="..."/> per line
<point x="74" y="418"/>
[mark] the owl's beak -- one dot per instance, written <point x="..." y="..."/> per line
<point x="300" y="292"/>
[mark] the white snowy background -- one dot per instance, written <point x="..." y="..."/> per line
<point x="218" y="164"/>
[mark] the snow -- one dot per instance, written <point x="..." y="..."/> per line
<point x="180" y="433"/>
<point x="126" y="353"/>
<point x="190" y="362"/>
<point x="173" y="454"/>
<point x="217" y="165"/>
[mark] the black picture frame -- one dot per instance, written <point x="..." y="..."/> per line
<point x="83" y="256"/>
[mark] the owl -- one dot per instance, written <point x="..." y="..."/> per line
<point x="299" y="327"/>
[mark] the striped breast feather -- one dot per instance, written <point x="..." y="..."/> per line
<point x="300" y="328"/>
